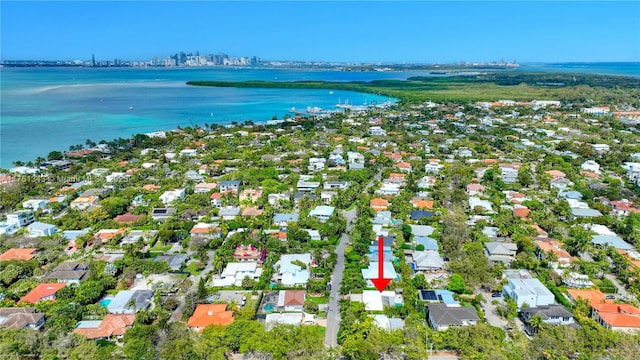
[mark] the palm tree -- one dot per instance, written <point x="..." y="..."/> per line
<point x="535" y="323"/>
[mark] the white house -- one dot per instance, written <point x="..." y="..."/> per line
<point x="317" y="164"/>
<point x="475" y="202"/>
<point x="597" y="110"/>
<point x="170" y="196"/>
<point x="314" y="234"/>
<point x="600" y="148"/>
<point x="389" y="189"/>
<point x="389" y="272"/>
<point x="433" y="167"/>
<point x="41" y="229"/>
<point x="591" y="165"/>
<point x="21" y="218"/>
<point x="322" y="212"/>
<point x="523" y="288"/>
<point x="633" y="171"/>
<point x="7" y="228"/>
<point x="377" y="131"/>
<point x="355" y="160"/>
<point x="294" y="269"/>
<point x="188" y="152"/>
<point x="114" y="177"/>
<point x="35" y="204"/>
<point x="234" y="273"/>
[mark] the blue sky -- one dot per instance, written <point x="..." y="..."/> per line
<point x="542" y="31"/>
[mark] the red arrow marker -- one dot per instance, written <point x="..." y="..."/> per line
<point x="380" y="282"/>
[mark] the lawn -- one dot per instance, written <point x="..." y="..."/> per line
<point x="193" y="268"/>
<point x="160" y="248"/>
<point x="319" y="299"/>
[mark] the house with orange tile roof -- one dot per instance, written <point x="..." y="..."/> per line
<point x="379" y="204"/>
<point x="203" y="188"/>
<point x="216" y="199"/>
<point x="521" y="212"/>
<point x="593" y="296"/>
<point x="397" y="176"/>
<point x="556" y="174"/>
<point x="251" y="195"/>
<point x="113" y="325"/>
<point x="291" y="300"/>
<point x="544" y="246"/>
<point x="589" y="174"/>
<point x="42" y="292"/>
<point x="541" y="233"/>
<point x="617" y="317"/>
<point x="84" y="202"/>
<point x="404" y="166"/>
<point x="151" y="187"/>
<point x="422" y="204"/>
<point x="205" y="231"/>
<point x="474" y="189"/>
<point x="210" y="314"/>
<point x="18" y="254"/>
<point x="251" y="212"/>
<point x="128" y="218"/>
<point x="104" y="235"/>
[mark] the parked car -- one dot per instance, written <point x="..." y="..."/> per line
<point x="610" y="297"/>
<point x="496" y="294"/>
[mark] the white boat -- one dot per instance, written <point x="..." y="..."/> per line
<point x="130" y="107"/>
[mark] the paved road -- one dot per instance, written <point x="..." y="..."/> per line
<point x="333" y="314"/>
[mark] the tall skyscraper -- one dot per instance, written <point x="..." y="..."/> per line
<point x="93" y="60"/>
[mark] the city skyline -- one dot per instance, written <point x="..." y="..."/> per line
<point x="384" y="32"/>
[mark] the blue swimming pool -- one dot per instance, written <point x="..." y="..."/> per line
<point x="105" y="302"/>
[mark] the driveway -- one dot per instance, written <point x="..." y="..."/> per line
<point x="490" y="311"/>
<point x="177" y="314"/>
<point x="621" y="290"/>
<point x="333" y="313"/>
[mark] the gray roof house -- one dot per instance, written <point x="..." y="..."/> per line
<point x="284" y="218"/>
<point x="162" y="214"/>
<point x="427" y="261"/>
<point x="70" y="273"/>
<point x="229" y="185"/>
<point x="441" y="316"/>
<point x="20" y="318"/>
<point x="229" y="212"/>
<point x="554" y="314"/>
<point x="503" y="252"/>
<point x="130" y="301"/>
<point x="175" y="261"/>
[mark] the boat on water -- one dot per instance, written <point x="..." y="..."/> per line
<point x="130" y="107"/>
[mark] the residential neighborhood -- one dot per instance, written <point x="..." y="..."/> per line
<point x="490" y="222"/>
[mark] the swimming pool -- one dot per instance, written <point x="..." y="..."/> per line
<point x="105" y="302"/>
<point x="268" y="308"/>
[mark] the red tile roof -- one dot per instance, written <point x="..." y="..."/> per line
<point x="618" y="315"/>
<point x="127" y="218"/>
<point x="294" y="297"/>
<point x="18" y="254"/>
<point x="210" y="314"/>
<point x="41" y="291"/>
<point x="111" y="325"/>
<point x="521" y="212"/>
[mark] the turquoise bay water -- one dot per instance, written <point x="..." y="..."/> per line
<point x="45" y="109"/>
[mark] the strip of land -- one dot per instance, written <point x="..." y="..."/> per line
<point x="490" y="86"/>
